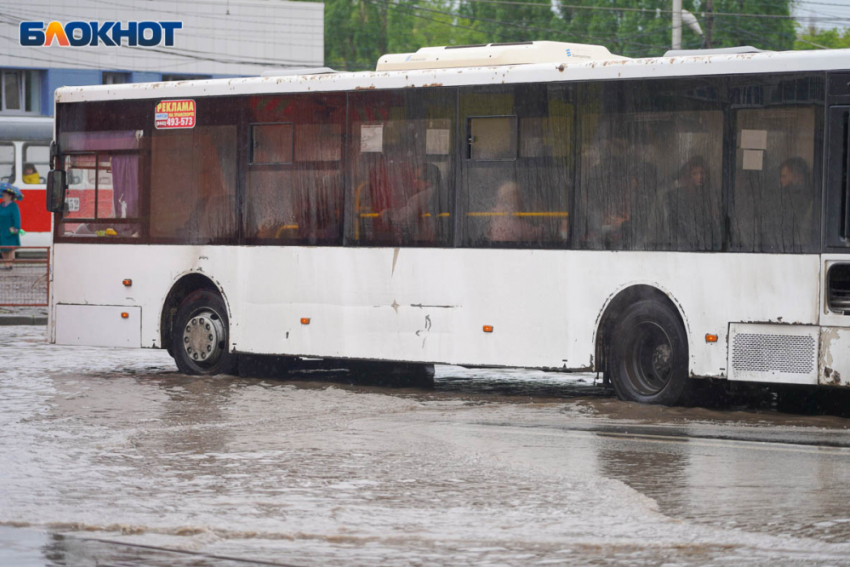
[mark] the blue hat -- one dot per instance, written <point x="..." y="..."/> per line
<point x="15" y="192"/>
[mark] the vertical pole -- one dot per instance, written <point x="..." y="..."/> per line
<point x="677" y="24"/>
<point x="709" y="23"/>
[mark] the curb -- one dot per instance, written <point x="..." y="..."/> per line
<point x="6" y="320"/>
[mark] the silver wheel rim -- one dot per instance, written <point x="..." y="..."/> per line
<point x="203" y="338"/>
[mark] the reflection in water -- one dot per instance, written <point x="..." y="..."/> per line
<point x="786" y="490"/>
<point x="195" y="413"/>
<point x="491" y="466"/>
<point x="664" y="468"/>
<point x="69" y="551"/>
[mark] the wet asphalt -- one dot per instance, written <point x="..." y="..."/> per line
<point x="111" y="457"/>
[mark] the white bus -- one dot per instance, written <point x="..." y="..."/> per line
<point x="24" y="162"/>
<point x="535" y="205"/>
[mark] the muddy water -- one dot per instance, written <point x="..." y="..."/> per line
<point x="491" y="467"/>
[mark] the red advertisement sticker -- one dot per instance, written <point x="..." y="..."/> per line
<point x="175" y="114"/>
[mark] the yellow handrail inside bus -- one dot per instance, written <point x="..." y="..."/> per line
<point x="285" y="227"/>
<point x="507" y="214"/>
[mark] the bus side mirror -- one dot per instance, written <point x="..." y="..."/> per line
<point x="56" y="181"/>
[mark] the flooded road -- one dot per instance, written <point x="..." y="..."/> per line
<point x="112" y="457"/>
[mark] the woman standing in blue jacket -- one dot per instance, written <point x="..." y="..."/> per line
<point x="10" y="224"/>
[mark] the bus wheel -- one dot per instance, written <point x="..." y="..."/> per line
<point x="199" y="337"/>
<point x="649" y="354"/>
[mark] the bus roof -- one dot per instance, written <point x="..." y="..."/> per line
<point x="568" y="70"/>
<point x="26" y="128"/>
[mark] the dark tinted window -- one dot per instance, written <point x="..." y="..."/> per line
<point x="775" y="207"/>
<point x="517" y="165"/>
<point x="294" y="181"/>
<point x="651" y="165"/>
<point x="193" y="176"/>
<point x="401" y="154"/>
<point x="271" y="143"/>
<point x="105" y="147"/>
<point x="493" y="138"/>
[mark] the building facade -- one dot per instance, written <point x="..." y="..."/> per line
<point x="218" y="39"/>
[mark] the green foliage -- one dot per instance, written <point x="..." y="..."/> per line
<point x="765" y="33"/>
<point x="631" y="33"/>
<point x="358" y="32"/>
<point x="355" y="34"/>
<point x="833" y="39"/>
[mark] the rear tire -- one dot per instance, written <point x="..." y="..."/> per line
<point x="200" y="336"/>
<point x="649" y="354"/>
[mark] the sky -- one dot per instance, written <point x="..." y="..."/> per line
<point x="814" y="11"/>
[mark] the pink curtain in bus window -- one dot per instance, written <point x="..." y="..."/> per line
<point x="125" y="168"/>
<point x="125" y="185"/>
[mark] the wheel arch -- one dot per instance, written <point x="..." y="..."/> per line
<point x="183" y="285"/>
<point x="616" y="304"/>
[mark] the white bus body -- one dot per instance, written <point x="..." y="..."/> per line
<point x="546" y="307"/>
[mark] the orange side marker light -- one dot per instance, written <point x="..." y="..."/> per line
<point x="305" y="320"/>
<point x="125" y="315"/>
<point x="488" y="328"/>
<point x="709" y="338"/>
<point x="128" y="282"/>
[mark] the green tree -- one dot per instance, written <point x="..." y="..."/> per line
<point x="765" y="33"/>
<point x="643" y="28"/>
<point x="358" y="32"/>
<point x="355" y="34"/>
<point x="818" y="39"/>
<point x="518" y="20"/>
<point x="423" y="23"/>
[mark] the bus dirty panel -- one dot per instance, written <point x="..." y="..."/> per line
<point x="834" y="346"/>
<point x="543" y="306"/>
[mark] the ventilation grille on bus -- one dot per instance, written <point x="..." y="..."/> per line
<point x="788" y="354"/>
<point x="838" y="289"/>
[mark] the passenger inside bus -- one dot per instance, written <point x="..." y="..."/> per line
<point x="688" y="209"/>
<point x="31" y="176"/>
<point x="505" y="224"/>
<point x="798" y="204"/>
<point x="611" y="188"/>
<point x="418" y="217"/>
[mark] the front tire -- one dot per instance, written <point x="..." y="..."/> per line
<point x="200" y="336"/>
<point x="649" y="354"/>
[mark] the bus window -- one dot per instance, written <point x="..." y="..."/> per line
<point x="651" y="166"/>
<point x="401" y="157"/>
<point x="775" y="207"/>
<point x="102" y="145"/>
<point x="295" y="177"/>
<point x="516" y="175"/>
<point x="271" y="143"/>
<point x="193" y="177"/>
<point x="493" y="138"/>
<point x="7" y="163"/>
<point x="36" y="164"/>
<point x="193" y="184"/>
<point x="104" y="192"/>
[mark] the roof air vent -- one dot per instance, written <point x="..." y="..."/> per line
<point x="493" y="54"/>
